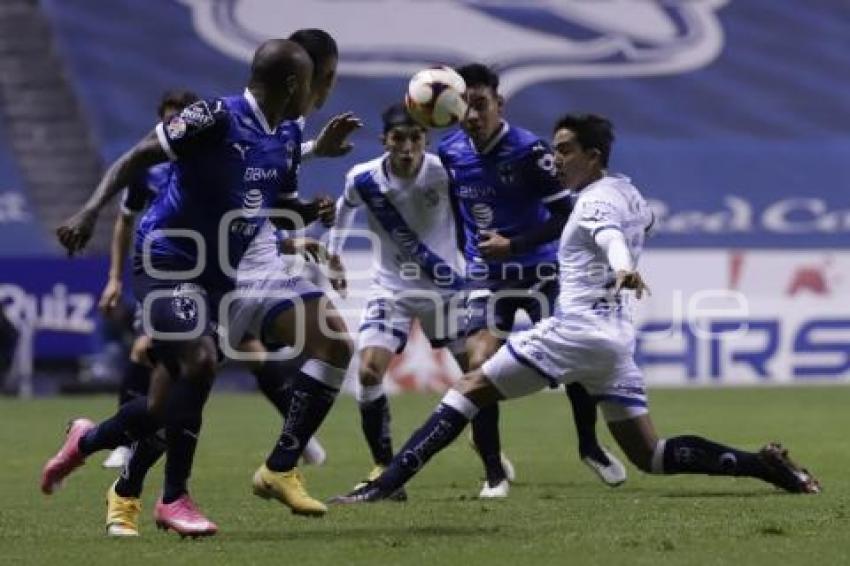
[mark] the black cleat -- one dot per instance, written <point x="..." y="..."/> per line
<point x="367" y="493"/>
<point x="784" y="473"/>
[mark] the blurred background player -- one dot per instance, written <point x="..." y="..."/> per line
<point x="418" y="267"/>
<point x="590" y="339"/>
<point x="510" y="210"/>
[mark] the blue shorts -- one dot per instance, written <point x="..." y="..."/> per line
<point x="493" y="304"/>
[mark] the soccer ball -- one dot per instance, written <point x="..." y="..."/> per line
<point x="435" y="97"/>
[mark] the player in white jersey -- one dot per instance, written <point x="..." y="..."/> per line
<point x="590" y="339"/>
<point x="417" y="264"/>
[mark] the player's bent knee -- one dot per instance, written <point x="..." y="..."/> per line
<point x="370" y="375"/>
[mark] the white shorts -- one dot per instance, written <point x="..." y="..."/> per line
<point x="258" y="299"/>
<point x="388" y="316"/>
<point x="554" y="352"/>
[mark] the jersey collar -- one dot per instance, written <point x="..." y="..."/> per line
<point x="258" y="114"/>
<point x="395" y="181"/>
<point x="494" y="141"/>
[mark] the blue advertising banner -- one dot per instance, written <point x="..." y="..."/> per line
<point x="58" y="298"/>
<point x="731" y="115"/>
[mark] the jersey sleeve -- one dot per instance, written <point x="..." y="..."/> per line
<point x="538" y="168"/>
<point x="136" y="196"/>
<point x="599" y="212"/>
<point x="350" y="196"/>
<point x="197" y="126"/>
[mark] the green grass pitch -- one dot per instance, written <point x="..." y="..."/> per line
<point x="557" y="513"/>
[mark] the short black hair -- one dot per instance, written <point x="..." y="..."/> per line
<point x="592" y="132"/>
<point x="176" y="98"/>
<point x="479" y="74"/>
<point x="397" y="115"/>
<point x="318" y="44"/>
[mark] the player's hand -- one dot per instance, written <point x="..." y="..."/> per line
<point x="493" y="246"/>
<point x="326" y="211"/>
<point x="76" y="231"/>
<point x="336" y="275"/>
<point x="631" y="280"/>
<point x="110" y="298"/>
<point x="333" y="139"/>
<point x="308" y="248"/>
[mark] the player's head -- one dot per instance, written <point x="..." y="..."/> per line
<point x="484" y="115"/>
<point x="173" y="101"/>
<point x="404" y="140"/>
<point x="282" y="70"/>
<point x="582" y="144"/>
<point x="323" y="51"/>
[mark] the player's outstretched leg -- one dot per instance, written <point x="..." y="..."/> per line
<point x="601" y="462"/>
<point x="444" y="425"/>
<point x="314" y="389"/>
<point x="133" y="420"/>
<point x="697" y="455"/>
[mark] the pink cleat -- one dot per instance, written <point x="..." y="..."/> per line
<point x="184" y="518"/>
<point x="67" y="459"/>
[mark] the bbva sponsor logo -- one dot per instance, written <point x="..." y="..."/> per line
<point x="528" y="40"/>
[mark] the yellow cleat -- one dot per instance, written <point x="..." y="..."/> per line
<point x="373" y="475"/>
<point x="288" y="488"/>
<point x="122" y="514"/>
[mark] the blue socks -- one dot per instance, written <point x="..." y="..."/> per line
<point x="134" y="382"/>
<point x="132" y="421"/>
<point x="375" y="422"/>
<point x="182" y="428"/>
<point x="441" y="428"/>
<point x="309" y="403"/>
<point x="485" y="435"/>
<point x="584" y="417"/>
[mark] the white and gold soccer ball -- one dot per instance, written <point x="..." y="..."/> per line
<point x="435" y="97"/>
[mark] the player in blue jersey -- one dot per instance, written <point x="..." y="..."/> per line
<point x="511" y="210"/>
<point x="136" y="198"/>
<point x="236" y="157"/>
<point x="590" y="339"/>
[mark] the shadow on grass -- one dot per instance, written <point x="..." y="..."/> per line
<point x="756" y="494"/>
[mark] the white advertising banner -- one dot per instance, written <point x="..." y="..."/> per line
<point x="715" y="317"/>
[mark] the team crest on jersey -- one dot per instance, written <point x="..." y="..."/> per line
<point x="431" y="197"/>
<point x="176" y="128"/>
<point x="184" y="301"/>
<point x="529" y="41"/>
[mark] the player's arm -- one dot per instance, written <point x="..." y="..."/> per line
<point x="346" y="210"/>
<point x="75" y="232"/>
<point x="332" y="141"/>
<point x="602" y="219"/>
<point x="135" y="199"/>
<point x="306" y="212"/>
<point x="559" y="213"/>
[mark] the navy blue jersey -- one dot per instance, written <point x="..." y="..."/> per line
<point x="227" y="165"/>
<point x="142" y="191"/>
<point x="503" y="188"/>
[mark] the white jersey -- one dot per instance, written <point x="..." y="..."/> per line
<point x="586" y="279"/>
<point x="423" y="204"/>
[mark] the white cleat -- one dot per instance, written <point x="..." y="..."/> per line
<point x="118" y="458"/>
<point x="314" y="454"/>
<point x="498" y="491"/>
<point x="613" y="474"/>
